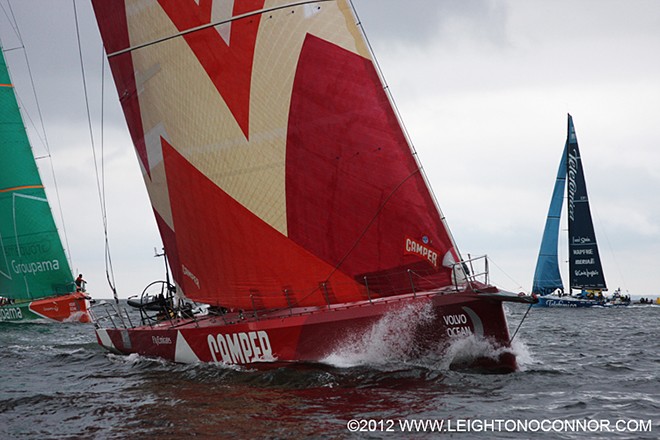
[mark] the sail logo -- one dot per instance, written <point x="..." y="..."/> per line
<point x="414" y="247"/>
<point x="240" y="348"/>
<point x="572" y="185"/>
<point x="586" y="273"/>
<point x="581" y="240"/>
<point x="190" y="275"/>
<point x="35" y="267"/>
<point x="28" y="249"/>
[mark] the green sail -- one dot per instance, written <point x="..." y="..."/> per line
<point x="32" y="260"/>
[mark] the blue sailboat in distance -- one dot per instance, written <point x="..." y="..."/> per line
<point x="585" y="268"/>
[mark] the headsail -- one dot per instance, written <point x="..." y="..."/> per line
<point x="276" y="167"/>
<point x="547" y="277"/>
<point x="585" y="268"/>
<point x="32" y="260"/>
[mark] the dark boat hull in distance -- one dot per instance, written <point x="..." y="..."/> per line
<point x="72" y="307"/>
<point x="572" y="302"/>
<point x="404" y="326"/>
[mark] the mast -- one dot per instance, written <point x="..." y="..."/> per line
<point x="585" y="269"/>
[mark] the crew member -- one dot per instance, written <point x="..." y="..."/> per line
<point x="80" y="283"/>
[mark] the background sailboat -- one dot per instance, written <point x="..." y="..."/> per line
<point x="585" y="268"/>
<point x="35" y="278"/>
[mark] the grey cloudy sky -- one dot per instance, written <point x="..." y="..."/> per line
<point x="483" y="87"/>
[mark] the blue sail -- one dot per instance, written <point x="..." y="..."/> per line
<point x="585" y="267"/>
<point x="547" y="278"/>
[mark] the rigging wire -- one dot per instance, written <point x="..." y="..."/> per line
<point x="520" y="324"/>
<point x="12" y="19"/>
<point x="41" y="135"/>
<point x="506" y="274"/>
<point x="611" y="249"/>
<point x="100" y="183"/>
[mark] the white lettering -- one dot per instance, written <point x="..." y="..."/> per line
<point x="255" y="347"/>
<point x="572" y="186"/>
<point x="559" y="303"/>
<point x="10" y="314"/>
<point x="457" y="325"/>
<point x="413" y="247"/>
<point x="245" y="345"/>
<point x="190" y="275"/>
<point x="35" y="266"/>
<point x="459" y="331"/>
<point x="160" y="340"/>
<point x="240" y="348"/>
<point x="213" y="347"/>
<point x="586" y="273"/>
<point x="235" y="349"/>
<point x="455" y="319"/>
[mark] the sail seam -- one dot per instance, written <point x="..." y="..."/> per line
<point x="213" y="24"/>
<point x="18" y="188"/>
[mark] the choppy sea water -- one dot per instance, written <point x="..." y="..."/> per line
<point x="600" y="367"/>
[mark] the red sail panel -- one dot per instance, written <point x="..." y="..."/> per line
<point x="230" y="257"/>
<point x="354" y="191"/>
<point x="114" y="31"/>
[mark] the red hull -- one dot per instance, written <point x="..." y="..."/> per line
<point x="72" y="307"/>
<point x="65" y="308"/>
<point x="421" y="323"/>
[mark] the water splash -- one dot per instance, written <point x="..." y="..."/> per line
<point x="463" y="351"/>
<point x="523" y="354"/>
<point x="77" y="317"/>
<point x="395" y="340"/>
<point x="391" y="339"/>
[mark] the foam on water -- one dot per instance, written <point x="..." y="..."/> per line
<point x="523" y="355"/>
<point x="76" y="317"/>
<point x="391" y="339"/>
<point x="135" y="359"/>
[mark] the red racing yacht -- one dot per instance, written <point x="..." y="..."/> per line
<point x="289" y="200"/>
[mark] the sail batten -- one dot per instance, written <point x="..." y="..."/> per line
<point x="215" y="23"/>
